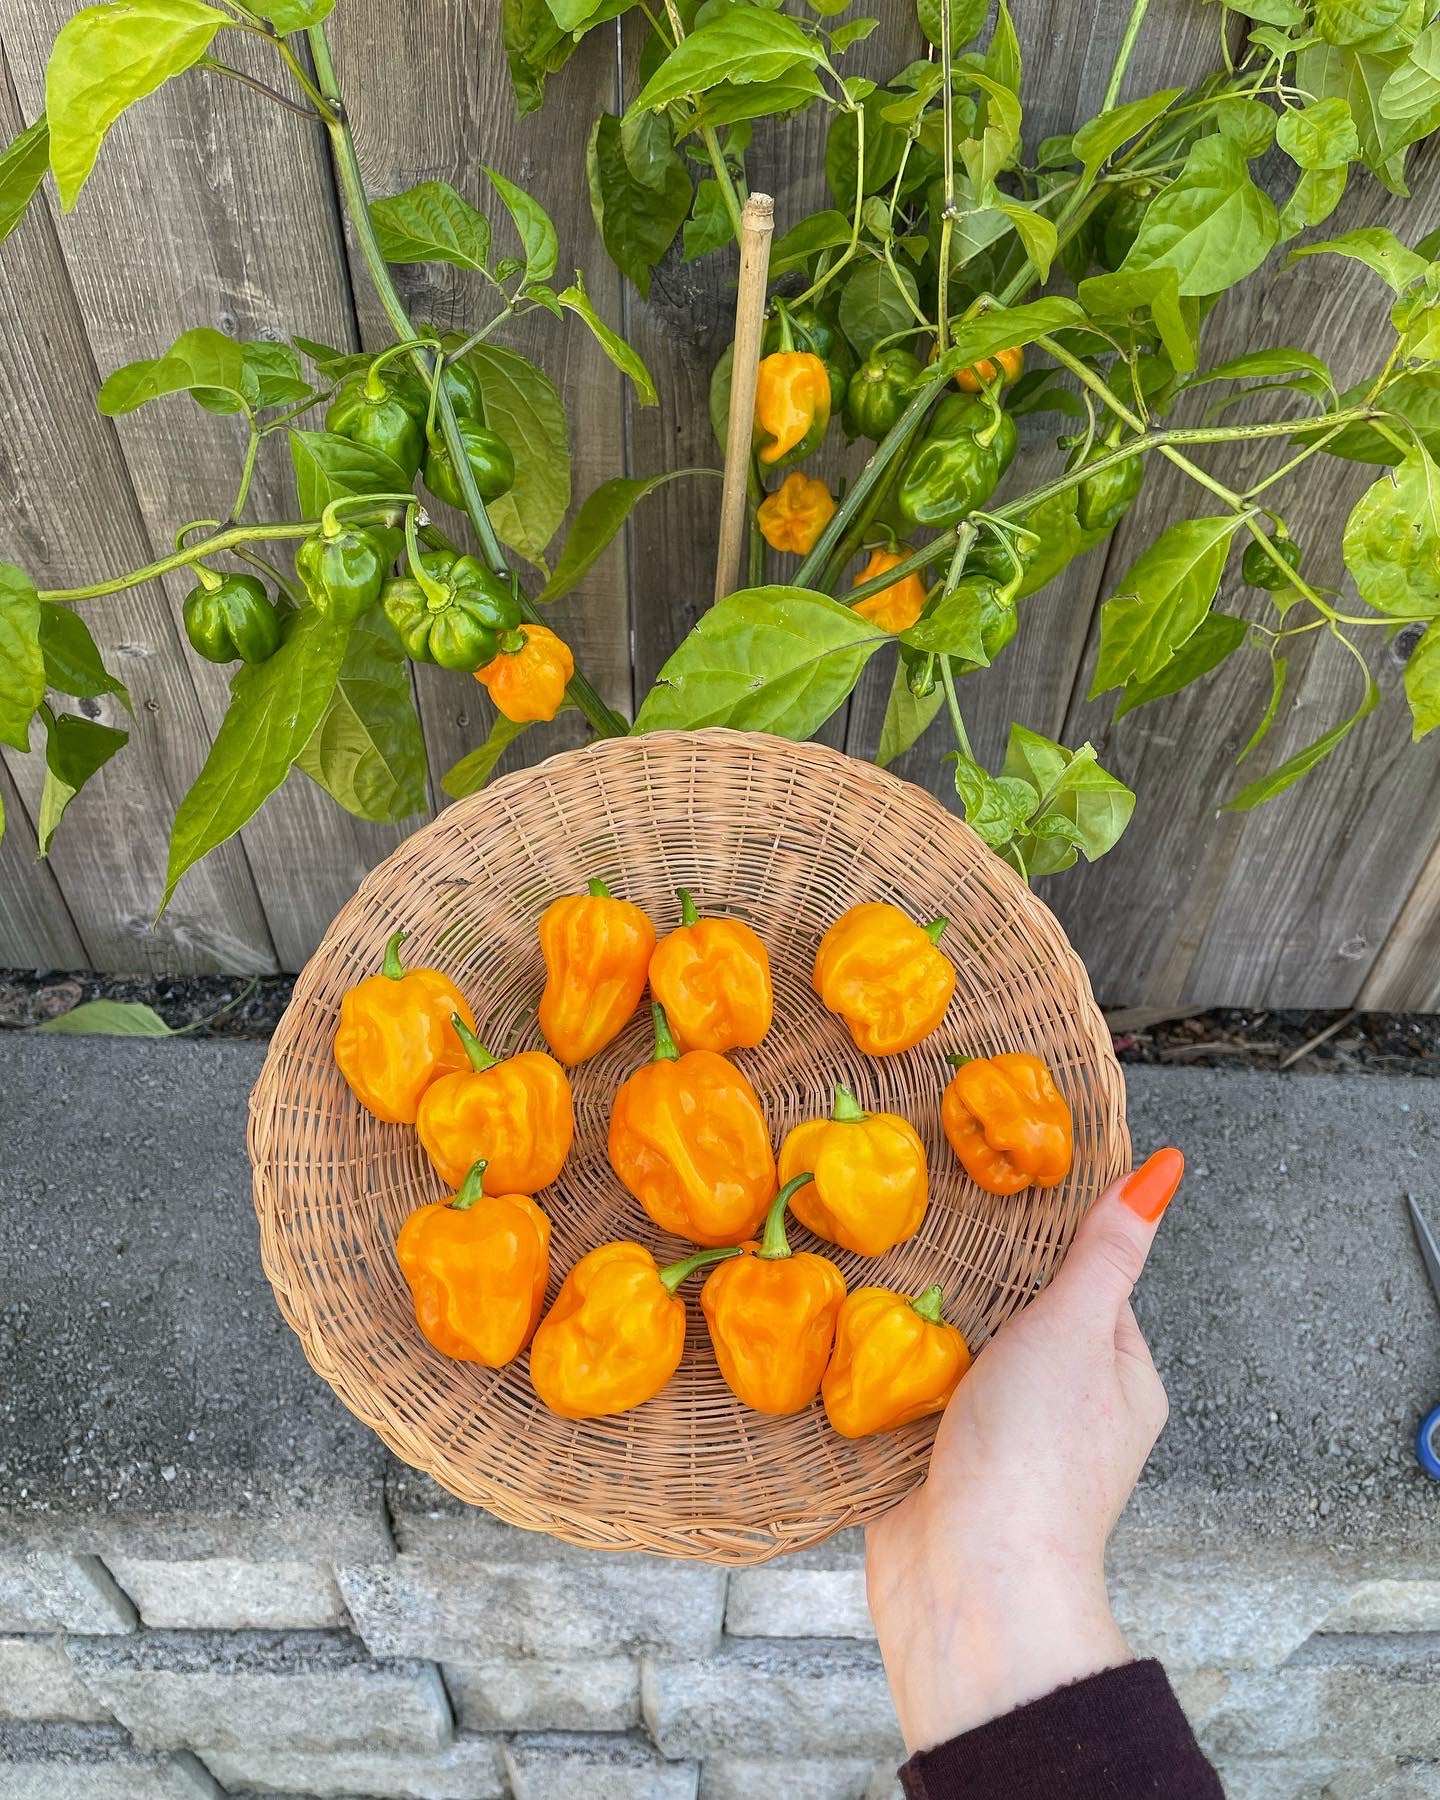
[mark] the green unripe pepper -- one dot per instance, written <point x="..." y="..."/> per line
<point x="961" y="458"/>
<point x="343" y="572"/>
<point x="230" y="618"/>
<point x="1103" y="499"/>
<point x="1259" y="571"/>
<point x="879" y="391"/>
<point x="488" y="456"/>
<point x="460" y="622"/>
<point x="384" y="412"/>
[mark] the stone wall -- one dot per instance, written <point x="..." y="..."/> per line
<point x="214" y="1582"/>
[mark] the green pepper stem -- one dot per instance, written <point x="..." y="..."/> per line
<point x="929" y="1304"/>
<point x="375" y="389"/>
<point x="481" y="1059"/>
<point x="957" y="1061"/>
<point x="392" y="966"/>
<point x="775" y="1246"/>
<point x="935" y="930"/>
<point x="597" y="889"/>
<point x="666" y="1049"/>
<point x="688" y="914"/>
<point x="681" y="1271"/>
<point x="471" y="1187"/>
<point x="330" y="517"/>
<point x="209" y="580"/>
<point x="437" y="597"/>
<point x="512" y="642"/>
<point x="847" y="1109"/>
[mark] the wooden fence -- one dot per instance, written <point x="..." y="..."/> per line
<point x="212" y="207"/>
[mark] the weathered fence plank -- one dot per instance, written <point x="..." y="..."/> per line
<point x="36" y="929"/>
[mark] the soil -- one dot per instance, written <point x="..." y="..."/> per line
<point x="1225" y="1038"/>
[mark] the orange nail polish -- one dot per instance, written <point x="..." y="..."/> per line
<point x="1152" y="1186"/>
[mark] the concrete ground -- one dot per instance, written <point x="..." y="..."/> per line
<point x="214" y="1581"/>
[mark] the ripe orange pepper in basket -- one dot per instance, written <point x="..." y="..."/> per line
<point x="689" y="1140"/>
<point x="712" y="976"/>
<point x="517" y="1113"/>
<point x="477" y="1266"/>
<point x="395" y="1035"/>
<point x="895" y="1360"/>
<point x="870" y="1179"/>
<point x="1008" y="1122"/>
<point x="597" y="955"/>
<point x="884" y="976"/>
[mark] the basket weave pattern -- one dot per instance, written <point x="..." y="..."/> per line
<point x="786" y="836"/>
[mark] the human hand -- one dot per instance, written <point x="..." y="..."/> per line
<point x="987" y="1584"/>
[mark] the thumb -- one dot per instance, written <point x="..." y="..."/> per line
<point x="1106" y="1258"/>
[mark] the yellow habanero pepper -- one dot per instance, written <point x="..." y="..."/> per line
<point x="712" y="976"/>
<point x="771" y="1315"/>
<point x="895" y="1360"/>
<point x="516" y="1112"/>
<point x="792" y="406"/>
<point x="395" y="1035"/>
<point x="616" y="1332"/>
<point x="1008" y="1122"/>
<point x="871" y="1183"/>
<point x="884" y="976"/>
<point x="897" y="607"/>
<point x="597" y="955"/>
<point x="477" y="1266"/>
<point x="793" y="517"/>
<point x="527" y="680"/>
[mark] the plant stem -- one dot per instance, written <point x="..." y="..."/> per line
<point x="848" y="253"/>
<point x="224" y="540"/>
<point x="247" y="471"/>
<point x="952" y="701"/>
<point x="709" y="138"/>
<point x="1124" y="53"/>
<point x="603" y="718"/>
<point x="917" y="559"/>
<point x="947" y="217"/>
<point x="260" y="87"/>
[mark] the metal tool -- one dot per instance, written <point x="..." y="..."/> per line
<point x="1427" y="1439"/>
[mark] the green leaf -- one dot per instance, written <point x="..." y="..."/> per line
<point x="1422" y="683"/>
<point x="1414" y="396"/>
<point x="1121" y="298"/>
<point x="1211" y="642"/>
<point x="1278" y="669"/>
<point x="522" y="404"/>
<point x="1246" y="122"/>
<point x="742" y="46"/>
<point x="1036" y="233"/>
<point x="1082" y="807"/>
<point x="471" y="773"/>
<point x="854" y="31"/>
<point x="535" y="46"/>
<point x="1284" y="13"/>
<point x="726" y="105"/>
<point x="1290" y="771"/>
<point x="648" y="145"/>
<point x="1352" y="21"/>
<point x="628" y="361"/>
<point x="637" y="220"/>
<point x="1380" y="251"/>
<point x="103" y="60"/>
<point x="1006" y="325"/>
<point x="72" y="661"/>
<point x="75" y="748"/>
<point x="274" y="709"/>
<point x="329" y="467"/>
<point x="1328" y="71"/>
<point x="109" y="1018"/>
<point x="1320" y="136"/>
<point x="954" y="628"/>
<point x="367" y="752"/>
<point x="1283" y="360"/>
<point x="708" y="227"/>
<point x="872" y="306"/>
<point x="775" y="659"/>
<point x="23" y="163"/>
<point x="22" y="661"/>
<point x="1162" y="601"/>
<point x="967" y="20"/>
<point x="270" y="374"/>
<point x="1392" y="540"/>
<point x="294" y="15"/>
<point x="719" y="395"/>
<point x="1212" y="225"/>
<point x="995" y="807"/>
<point x="1096" y="142"/>
<point x="907" y="718"/>
<point x="1412" y="93"/>
<point x="595" y="525"/>
<point x="533" y="223"/>
<point x="203" y="362"/>
<point x="1002" y="56"/>
<point x="1312" y="199"/>
<point x="432" y="223"/>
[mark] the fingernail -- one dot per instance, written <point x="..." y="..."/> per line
<point x="1152" y="1186"/>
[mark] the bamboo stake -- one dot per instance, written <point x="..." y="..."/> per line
<point x="757" y="224"/>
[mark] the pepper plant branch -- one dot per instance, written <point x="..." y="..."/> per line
<point x="224" y="540"/>
<point x="1124" y="53"/>
<point x="247" y="471"/>
<point x="261" y="87"/>
<point x="952" y="701"/>
<point x="603" y="718"/>
<point x="709" y="138"/>
<point x="947" y="218"/>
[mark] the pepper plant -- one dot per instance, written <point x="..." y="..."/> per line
<point x="904" y="310"/>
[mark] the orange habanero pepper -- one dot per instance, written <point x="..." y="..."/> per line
<point x="792" y="406"/>
<point x="516" y="1112"/>
<point x="1004" y="367"/>
<point x="712" y="976"/>
<point x="597" y="955"/>
<point x="897" y="607"/>
<point x="793" y="517"/>
<point x="616" y="1332"/>
<point x="690" y="1142"/>
<point x="395" y="1035"/>
<point x="771" y="1315"/>
<point x="1008" y="1122"/>
<point x="527" y="680"/>
<point x="895" y="1360"/>
<point x="885" y="977"/>
<point x="477" y="1266"/>
<point x="871" y="1184"/>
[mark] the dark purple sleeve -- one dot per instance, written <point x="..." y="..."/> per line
<point x="1116" y="1736"/>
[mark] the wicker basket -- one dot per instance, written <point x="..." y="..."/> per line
<point x="785" y="835"/>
